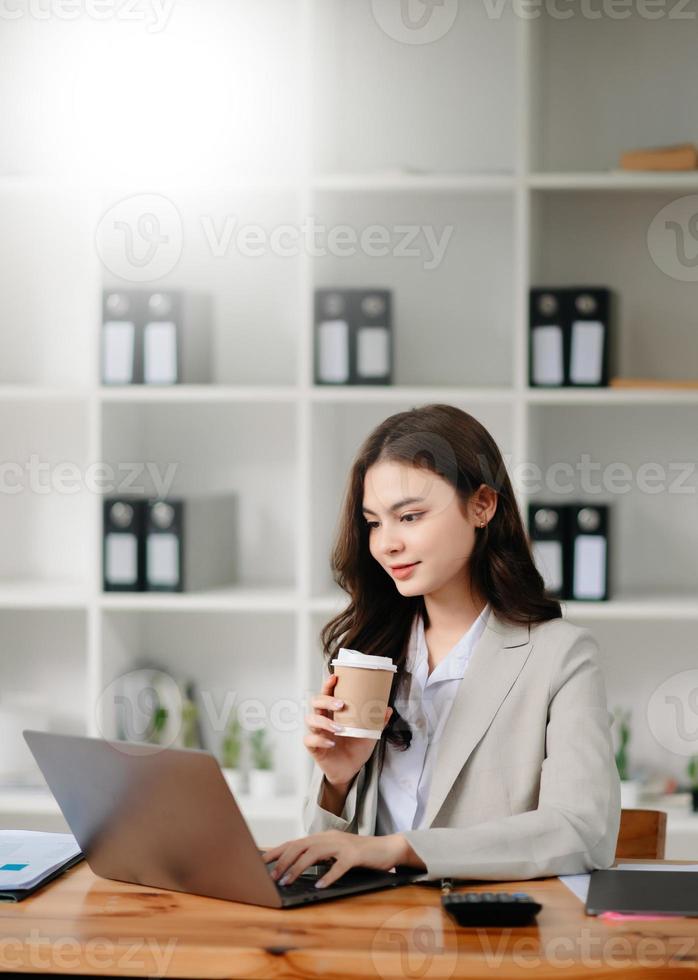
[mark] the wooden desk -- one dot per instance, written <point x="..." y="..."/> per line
<point x="85" y="925"/>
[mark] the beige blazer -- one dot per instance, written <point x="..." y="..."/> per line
<point x="524" y="783"/>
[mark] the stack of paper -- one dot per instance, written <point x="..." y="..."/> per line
<point x="30" y="858"/>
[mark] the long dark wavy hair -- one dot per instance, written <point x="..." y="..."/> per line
<point x="378" y="620"/>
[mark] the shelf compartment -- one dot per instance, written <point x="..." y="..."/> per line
<point x="244" y="450"/>
<point x="599" y="239"/>
<point x="43" y="659"/>
<point x="419" y="116"/>
<point x="640" y="459"/>
<point x="642" y="661"/>
<point x="46" y="481"/>
<point x="602" y="84"/>
<point x="48" y="338"/>
<point x="225" y="656"/>
<point x="449" y="263"/>
<point x="235" y="256"/>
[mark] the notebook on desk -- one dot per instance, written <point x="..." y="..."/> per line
<point x="166" y="818"/>
<point x="653" y="892"/>
<point x="30" y="859"/>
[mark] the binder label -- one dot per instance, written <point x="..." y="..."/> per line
<point x="589" y="567"/>
<point x="117" y="357"/>
<point x="121" y="559"/>
<point x="334" y="350"/>
<point x="586" y="356"/>
<point x="372" y="352"/>
<point x="548" y="358"/>
<point x="160" y="353"/>
<point x="162" y="559"/>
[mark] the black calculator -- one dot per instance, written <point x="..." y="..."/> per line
<point x="491" y="908"/>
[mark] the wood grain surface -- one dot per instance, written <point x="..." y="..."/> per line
<point x="84" y="925"/>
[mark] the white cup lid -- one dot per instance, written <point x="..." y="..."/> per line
<point x="353" y="658"/>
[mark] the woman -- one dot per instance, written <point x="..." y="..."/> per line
<point x="495" y="760"/>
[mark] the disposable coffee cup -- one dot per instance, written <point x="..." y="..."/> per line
<point x="363" y="683"/>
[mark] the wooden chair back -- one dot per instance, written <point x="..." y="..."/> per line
<point x="642" y="834"/>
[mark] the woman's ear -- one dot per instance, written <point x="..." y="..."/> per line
<point x="484" y="504"/>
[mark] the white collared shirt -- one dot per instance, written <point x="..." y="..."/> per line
<point x="405" y="777"/>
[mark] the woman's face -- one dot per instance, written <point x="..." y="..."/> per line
<point x="429" y="533"/>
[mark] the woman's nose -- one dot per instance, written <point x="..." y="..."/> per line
<point x="391" y="543"/>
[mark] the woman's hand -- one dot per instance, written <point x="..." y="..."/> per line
<point x="339" y="758"/>
<point x="348" y="850"/>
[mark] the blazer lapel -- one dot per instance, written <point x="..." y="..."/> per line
<point x="495" y="663"/>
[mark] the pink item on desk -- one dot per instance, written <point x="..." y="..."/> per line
<point x="634" y="917"/>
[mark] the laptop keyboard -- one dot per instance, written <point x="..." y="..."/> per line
<point x="300" y="886"/>
<point x="304" y="882"/>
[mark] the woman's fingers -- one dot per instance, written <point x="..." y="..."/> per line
<point x="326" y="701"/>
<point x="321" y="723"/>
<point x="295" y="859"/>
<point x="295" y="856"/>
<point x="318" y="742"/>
<point x="335" y="872"/>
<point x="312" y="855"/>
<point x="322" y="732"/>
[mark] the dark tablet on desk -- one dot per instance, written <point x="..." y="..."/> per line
<point x="657" y="892"/>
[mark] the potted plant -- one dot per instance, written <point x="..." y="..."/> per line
<point x="190" y="733"/>
<point x="629" y="788"/>
<point x="231" y="750"/>
<point x="692" y="770"/>
<point x="262" y="776"/>
<point x="158" y="721"/>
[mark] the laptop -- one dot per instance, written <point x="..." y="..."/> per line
<point x="652" y="892"/>
<point x="166" y="818"/>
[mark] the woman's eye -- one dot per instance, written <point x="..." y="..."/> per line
<point x="371" y="524"/>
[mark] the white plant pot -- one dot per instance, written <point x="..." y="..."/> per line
<point x="630" y="793"/>
<point x="262" y="783"/>
<point x="235" y="778"/>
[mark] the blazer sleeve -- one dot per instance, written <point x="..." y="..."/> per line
<point x="575" y="826"/>
<point x="316" y="818"/>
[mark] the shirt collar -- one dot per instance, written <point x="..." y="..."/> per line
<point x="453" y="666"/>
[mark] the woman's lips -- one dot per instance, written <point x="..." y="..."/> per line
<point x="403" y="571"/>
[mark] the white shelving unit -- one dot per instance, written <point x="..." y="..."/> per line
<point x="505" y="130"/>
